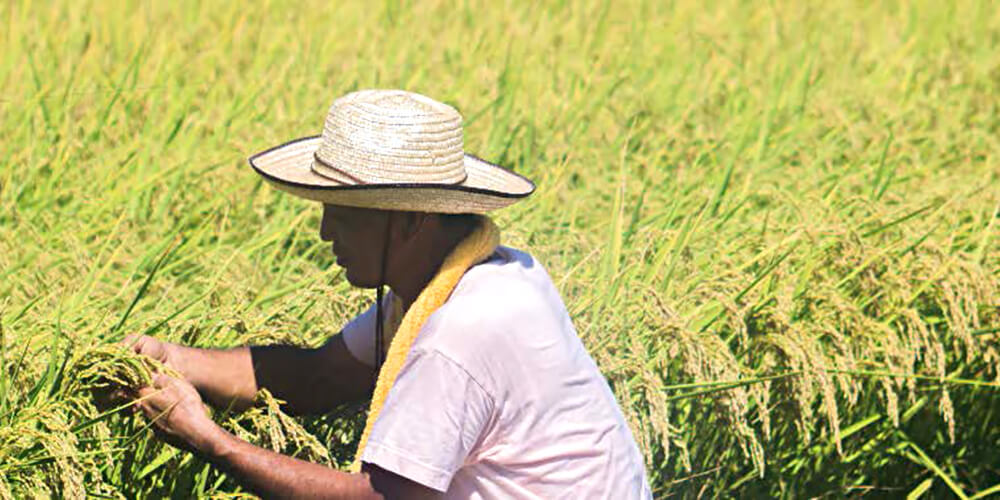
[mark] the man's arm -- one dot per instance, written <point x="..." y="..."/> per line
<point x="311" y="381"/>
<point x="176" y="410"/>
<point x="270" y="474"/>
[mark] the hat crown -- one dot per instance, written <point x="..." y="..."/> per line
<point x="391" y="137"/>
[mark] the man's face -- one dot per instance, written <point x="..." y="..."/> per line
<point x="358" y="237"/>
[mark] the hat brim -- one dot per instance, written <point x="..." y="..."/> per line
<point x="487" y="187"/>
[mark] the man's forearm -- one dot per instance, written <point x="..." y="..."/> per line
<point x="272" y="475"/>
<point x="224" y="377"/>
<point x="310" y="381"/>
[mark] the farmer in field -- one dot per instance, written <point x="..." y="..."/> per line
<point x="483" y="388"/>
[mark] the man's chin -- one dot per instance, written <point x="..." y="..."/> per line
<point x="357" y="281"/>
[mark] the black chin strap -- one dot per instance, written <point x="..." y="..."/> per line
<point x="379" y="337"/>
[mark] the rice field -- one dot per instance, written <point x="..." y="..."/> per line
<point x="776" y="224"/>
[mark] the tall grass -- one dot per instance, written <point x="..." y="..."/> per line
<point x="775" y="224"/>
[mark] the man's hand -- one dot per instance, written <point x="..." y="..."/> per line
<point x="178" y="414"/>
<point x="164" y="352"/>
<point x="112" y="395"/>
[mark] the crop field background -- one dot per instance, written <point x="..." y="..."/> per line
<point x="776" y="224"/>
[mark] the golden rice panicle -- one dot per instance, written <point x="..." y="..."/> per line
<point x="61" y="443"/>
<point x="45" y="427"/>
<point x="5" y="493"/>
<point x="706" y="358"/>
<point x="110" y="365"/>
<point x="266" y="425"/>
<point x="652" y="392"/>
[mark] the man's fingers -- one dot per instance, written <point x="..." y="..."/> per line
<point x="133" y="341"/>
<point x="144" y="392"/>
<point x="152" y="398"/>
<point x="161" y="395"/>
<point x="146" y="410"/>
<point x="155" y="406"/>
<point x="162" y="380"/>
<point x="145" y="345"/>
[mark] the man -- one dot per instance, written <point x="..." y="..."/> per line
<point x="484" y="389"/>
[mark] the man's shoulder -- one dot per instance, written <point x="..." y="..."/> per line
<point x="509" y="291"/>
<point x="507" y="267"/>
<point x="510" y="281"/>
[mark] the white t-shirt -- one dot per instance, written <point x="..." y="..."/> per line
<point x="498" y="397"/>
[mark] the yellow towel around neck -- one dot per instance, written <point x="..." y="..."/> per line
<point x="476" y="247"/>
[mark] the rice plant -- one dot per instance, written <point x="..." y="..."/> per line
<point x="776" y="225"/>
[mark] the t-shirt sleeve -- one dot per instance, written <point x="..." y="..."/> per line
<point x="433" y="417"/>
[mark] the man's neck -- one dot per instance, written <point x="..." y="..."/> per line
<point x="420" y="264"/>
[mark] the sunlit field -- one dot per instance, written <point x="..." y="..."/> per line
<point x="776" y="225"/>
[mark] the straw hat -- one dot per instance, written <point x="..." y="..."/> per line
<point x="391" y="150"/>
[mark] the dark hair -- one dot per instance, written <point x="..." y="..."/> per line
<point x="458" y="220"/>
<point x="458" y="223"/>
